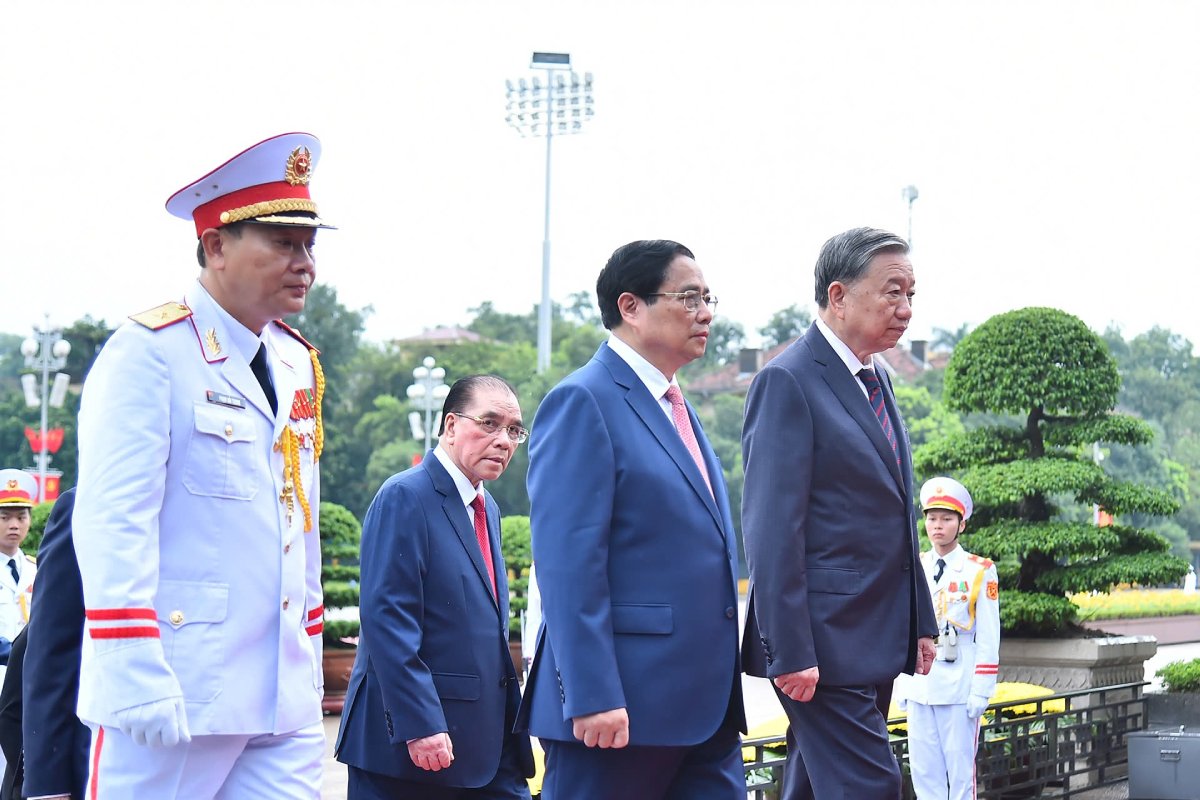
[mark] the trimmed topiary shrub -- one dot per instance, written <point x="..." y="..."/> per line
<point x="341" y="535"/>
<point x="1059" y="380"/>
<point x="518" y="555"/>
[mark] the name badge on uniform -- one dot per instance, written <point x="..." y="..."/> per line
<point x="230" y="400"/>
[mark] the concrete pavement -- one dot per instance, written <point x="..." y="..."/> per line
<point x="762" y="706"/>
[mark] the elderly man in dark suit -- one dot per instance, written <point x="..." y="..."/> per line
<point x="635" y="691"/>
<point x="433" y="693"/>
<point x="45" y="671"/>
<point x="838" y="606"/>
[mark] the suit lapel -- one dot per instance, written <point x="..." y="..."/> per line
<point x="647" y="408"/>
<point x="458" y="517"/>
<point x="849" y="393"/>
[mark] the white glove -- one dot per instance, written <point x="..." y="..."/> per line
<point x="976" y="704"/>
<point x="162" y="723"/>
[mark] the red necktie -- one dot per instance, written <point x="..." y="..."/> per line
<point x="683" y="424"/>
<point x="875" y="396"/>
<point x="481" y="534"/>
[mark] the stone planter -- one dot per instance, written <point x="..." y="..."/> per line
<point x="1168" y="630"/>
<point x="1064" y="665"/>
<point x="336" y="664"/>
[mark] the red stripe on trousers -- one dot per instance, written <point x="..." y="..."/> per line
<point x="94" y="788"/>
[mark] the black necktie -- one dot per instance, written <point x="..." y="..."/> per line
<point x="875" y="396"/>
<point x="258" y="365"/>
<point x="941" y="562"/>
<point x="12" y="567"/>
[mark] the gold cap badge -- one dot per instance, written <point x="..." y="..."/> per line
<point x="299" y="167"/>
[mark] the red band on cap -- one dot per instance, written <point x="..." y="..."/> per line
<point x="947" y="502"/>
<point x="209" y="214"/>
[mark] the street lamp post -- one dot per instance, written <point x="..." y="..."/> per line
<point x="909" y="193"/>
<point x="430" y="388"/>
<point x="45" y="351"/>
<point x="559" y="109"/>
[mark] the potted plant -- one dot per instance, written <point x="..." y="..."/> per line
<point x="341" y="534"/>
<point x="1179" y="702"/>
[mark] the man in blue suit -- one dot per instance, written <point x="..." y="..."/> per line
<point x="55" y="740"/>
<point x="433" y="693"/>
<point x="634" y="691"/>
<point x="838" y="605"/>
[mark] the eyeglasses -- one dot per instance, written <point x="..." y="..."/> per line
<point x="691" y="299"/>
<point x="515" y="432"/>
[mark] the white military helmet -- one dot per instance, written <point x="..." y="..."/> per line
<point x="946" y="493"/>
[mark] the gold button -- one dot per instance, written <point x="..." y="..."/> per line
<point x="176" y="617"/>
<point x="229" y="430"/>
<point x="286" y="603"/>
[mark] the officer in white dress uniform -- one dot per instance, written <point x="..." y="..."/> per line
<point x="944" y="706"/>
<point x="18" y="491"/>
<point x="196" y="514"/>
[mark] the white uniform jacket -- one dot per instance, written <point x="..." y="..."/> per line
<point x="966" y="599"/>
<point x="197" y="579"/>
<point x="15" y="595"/>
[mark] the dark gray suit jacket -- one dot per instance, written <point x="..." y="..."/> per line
<point x="829" y="521"/>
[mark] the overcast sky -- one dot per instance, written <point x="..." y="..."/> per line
<point x="1055" y="146"/>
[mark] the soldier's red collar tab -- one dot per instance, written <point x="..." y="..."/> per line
<point x="295" y="334"/>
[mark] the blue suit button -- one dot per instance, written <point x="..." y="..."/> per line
<point x="729" y="613"/>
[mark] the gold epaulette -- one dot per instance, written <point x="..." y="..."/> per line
<point x="162" y="316"/>
<point x="295" y="334"/>
<point x="984" y="562"/>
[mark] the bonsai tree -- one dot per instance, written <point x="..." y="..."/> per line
<point x="1034" y="480"/>
<point x="518" y="555"/>
<point x="341" y="533"/>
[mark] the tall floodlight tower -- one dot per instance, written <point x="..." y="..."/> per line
<point x="558" y="107"/>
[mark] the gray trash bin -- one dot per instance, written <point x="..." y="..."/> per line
<point x="1164" y="765"/>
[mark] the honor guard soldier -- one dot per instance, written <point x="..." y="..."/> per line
<point x="196" y="513"/>
<point x="18" y="492"/>
<point x="944" y="706"/>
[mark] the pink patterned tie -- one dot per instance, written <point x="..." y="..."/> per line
<point x="683" y="424"/>
<point x="481" y="534"/>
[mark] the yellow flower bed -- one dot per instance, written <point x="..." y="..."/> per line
<point x="1130" y="603"/>
<point x="1011" y="694"/>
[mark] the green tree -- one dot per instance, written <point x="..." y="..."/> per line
<point x="946" y="339"/>
<point x="12" y="363"/>
<point x="86" y="336"/>
<point x="784" y="325"/>
<point x="331" y="327"/>
<point x="725" y="341"/>
<point x="1046" y="366"/>
<point x="336" y="331"/>
<point x="502" y="327"/>
<point x="926" y="418"/>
